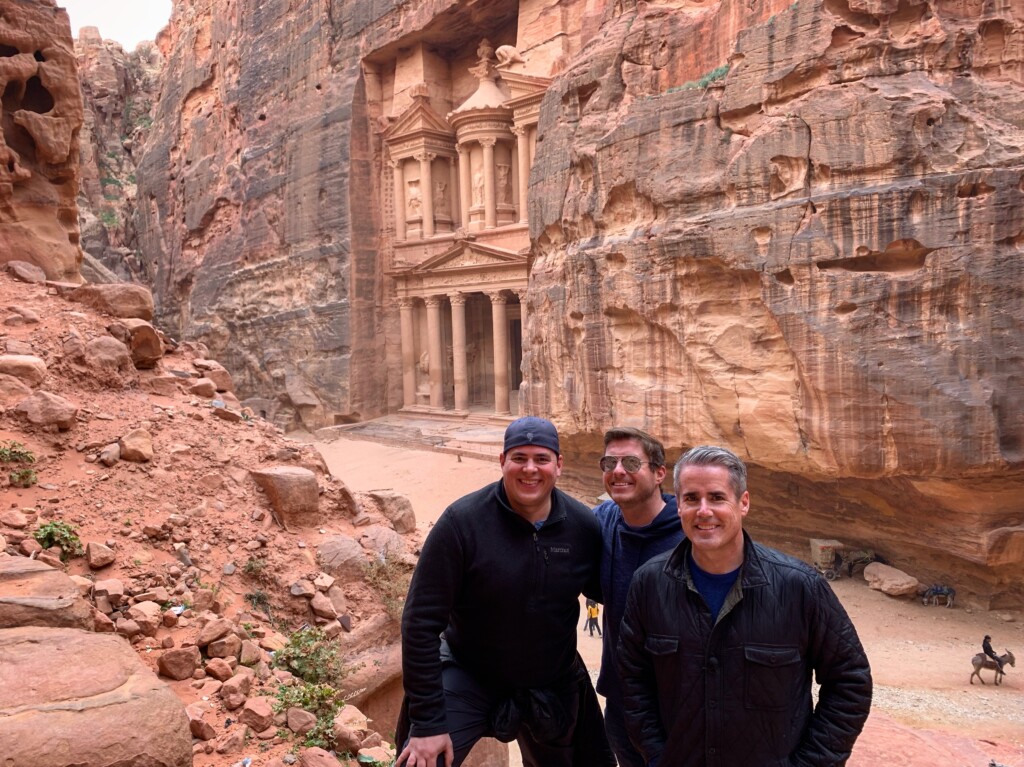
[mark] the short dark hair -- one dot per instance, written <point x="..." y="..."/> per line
<point x="655" y="450"/>
<point x="710" y="455"/>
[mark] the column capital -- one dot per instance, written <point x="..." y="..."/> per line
<point x="406" y="302"/>
<point x="498" y="297"/>
<point x="432" y="300"/>
<point x="488" y="142"/>
<point x="425" y="156"/>
<point x="457" y="299"/>
<point x="519" y="130"/>
<point x="462" y="147"/>
<point x="521" y="294"/>
<point x="395" y="163"/>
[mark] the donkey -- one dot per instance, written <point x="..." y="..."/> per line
<point x="981" y="661"/>
<point x="937" y="590"/>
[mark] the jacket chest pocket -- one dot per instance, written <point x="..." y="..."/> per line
<point x="771" y="676"/>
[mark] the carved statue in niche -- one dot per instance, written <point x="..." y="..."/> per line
<point x="478" y="187"/>
<point x="414" y="203"/>
<point x="440" y="198"/>
<point x="504" y="187"/>
<point x="508" y="54"/>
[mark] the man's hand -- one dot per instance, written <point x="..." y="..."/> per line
<point x="423" y="752"/>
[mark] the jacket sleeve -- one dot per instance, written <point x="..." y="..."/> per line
<point x="636" y="674"/>
<point x="842" y="670"/>
<point x="432" y="592"/>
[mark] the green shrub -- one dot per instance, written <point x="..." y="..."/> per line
<point x="59" y="534"/>
<point x="321" y="700"/>
<point x="15" y="452"/>
<point x="312" y="657"/>
<point x="390" y="579"/>
<point x="109" y="218"/>
<point x="22" y="478"/>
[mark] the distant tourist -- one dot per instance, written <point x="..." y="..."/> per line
<point x="638" y="523"/>
<point x="593" y="613"/>
<point x="489" y="628"/>
<point x="986" y="647"/>
<point x="721" y="637"/>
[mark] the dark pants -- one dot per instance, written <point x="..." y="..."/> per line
<point x="469" y="706"/>
<point x="618" y="738"/>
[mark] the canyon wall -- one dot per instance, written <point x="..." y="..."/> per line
<point x="791" y="228"/>
<point x="797" y="230"/>
<point x="118" y="91"/>
<point x="41" y="117"/>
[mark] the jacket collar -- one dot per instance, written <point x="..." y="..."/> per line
<point x="752" y="572"/>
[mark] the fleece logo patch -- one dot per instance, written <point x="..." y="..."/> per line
<point x="559" y="549"/>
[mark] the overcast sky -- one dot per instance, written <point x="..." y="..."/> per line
<point x="127" y="21"/>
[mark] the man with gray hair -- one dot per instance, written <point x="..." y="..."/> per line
<point x="720" y="638"/>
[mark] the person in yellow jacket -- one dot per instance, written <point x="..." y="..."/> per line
<point x="593" y="613"/>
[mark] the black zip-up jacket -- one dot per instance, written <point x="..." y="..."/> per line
<point x="737" y="691"/>
<point x="505" y="594"/>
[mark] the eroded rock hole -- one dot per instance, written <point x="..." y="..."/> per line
<point x="899" y="257"/>
<point x="845" y="308"/>
<point x="785" y="277"/>
<point x="38" y="56"/>
<point x="975" y="189"/>
<point x="7" y="51"/>
<point x="37" y="98"/>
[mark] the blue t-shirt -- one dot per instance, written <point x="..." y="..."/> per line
<point x="713" y="587"/>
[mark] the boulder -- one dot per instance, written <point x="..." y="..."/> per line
<point x="180" y="663"/>
<point x="383" y="541"/>
<point x="293" y="493"/>
<point x="137" y="446"/>
<point x="28" y="369"/>
<point x="219" y="669"/>
<point x="299" y="720"/>
<point x="341" y="556"/>
<point x="12" y="390"/>
<point x="108" y="355"/>
<point x="258" y="713"/>
<point x="98" y="555"/>
<point x="200" y="728"/>
<point x="889" y="580"/>
<point x="317" y="757"/>
<point x="203" y="387"/>
<point x="45" y="409"/>
<point x="226" y="647"/>
<point x="34" y="594"/>
<point x="107" y="707"/>
<point x="144" y="343"/>
<point x="26" y="272"/>
<point x="116" y="299"/>
<point x="148" y="615"/>
<point x="396" y="508"/>
<point x="214" y="630"/>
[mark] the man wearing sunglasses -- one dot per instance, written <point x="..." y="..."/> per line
<point x="489" y="627"/>
<point x="639" y="522"/>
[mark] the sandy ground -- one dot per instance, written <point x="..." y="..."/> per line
<point x="924" y="712"/>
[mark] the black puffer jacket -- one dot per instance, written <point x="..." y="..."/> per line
<point x="737" y="692"/>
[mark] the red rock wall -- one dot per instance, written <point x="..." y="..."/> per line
<point x="41" y="117"/>
<point x="813" y="257"/>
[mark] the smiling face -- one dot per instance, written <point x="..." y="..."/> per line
<point x="712" y="517"/>
<point x="632" y="490"/>
<point x="529" y="474"/>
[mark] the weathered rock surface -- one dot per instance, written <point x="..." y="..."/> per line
<point x="801" y="240"/>
<point x="35" y="594"/>
<point x="890" y="580"/>
<point x="107" y="706"/>
<point x="42" y="113"/>
<point x="117" y="300"/>
<point x="293" y="494"/>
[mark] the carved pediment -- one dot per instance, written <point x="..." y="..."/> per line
<point x="419" y="121"/>
<point x="469" y="256"/>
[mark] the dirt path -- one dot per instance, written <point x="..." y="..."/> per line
<point x="925" y="714"/>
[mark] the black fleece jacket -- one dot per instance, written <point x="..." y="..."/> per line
<point x="505" y="595"/>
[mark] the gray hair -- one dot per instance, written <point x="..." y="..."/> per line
<point x="710" y="455"/>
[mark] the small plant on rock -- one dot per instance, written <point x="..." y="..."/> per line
<point x="321" y="700"/>
<point x="312" y="656"/>
<point x="59" y="534"/>
<point x="390" y="578"/>
<point x="15" y="452"/>
<point x="22" y="478"/>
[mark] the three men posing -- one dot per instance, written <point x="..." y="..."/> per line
<point x="718" y="640"/>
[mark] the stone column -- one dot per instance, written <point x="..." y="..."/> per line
<point x="399" y="200"/>
<point x="521" y="293"/>
<point x="523" y="156"/>
<point x="490" y="195"/>
<point x="465" y="185"/>
<point x="427" y="192"/>
<point x="453" y="185"/>
<point x="436" y="361"/>
<point x="499" y="323"/>
<point x="408" y="353"/>
<point x="458" y="301"/>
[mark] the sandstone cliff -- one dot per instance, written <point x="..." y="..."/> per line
<point x="41" y="117"/>
<point x="796" y="229"/>
<point x="118" y="90"/>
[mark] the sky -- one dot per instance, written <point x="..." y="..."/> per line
<point x="127" y="21"/>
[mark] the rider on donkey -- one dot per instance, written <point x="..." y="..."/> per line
<point x="986" y="647"/>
